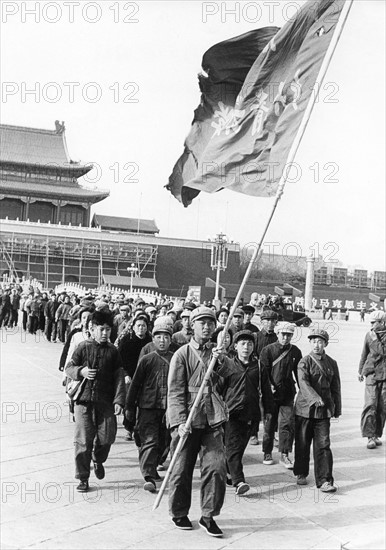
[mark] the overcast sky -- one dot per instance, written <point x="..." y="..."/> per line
<point x="133" y="72"/>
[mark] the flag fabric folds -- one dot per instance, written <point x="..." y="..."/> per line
<point x="226" y="65"/>
<point x="245" y="148"/>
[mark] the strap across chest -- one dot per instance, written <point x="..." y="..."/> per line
<point x="194" y="380"/>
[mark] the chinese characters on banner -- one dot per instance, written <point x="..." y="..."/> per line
<point x="337" y="304"/>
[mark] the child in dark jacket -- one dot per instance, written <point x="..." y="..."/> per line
<point x="148" y="392"/>
<point x="97" y="364"/>
<point x="319" y="399"/>
<point x="241" y="392"/>
<point x="278" y="367"/>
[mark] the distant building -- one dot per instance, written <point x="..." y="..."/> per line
<point x="339" y="275"/>
<point x="45" y="233"/>
<point x="39" y="181"/>
<point x="125" y="225"/>
<point x="56" y="254"/>
<point x="360" y="278"/>
<point x="321" y="276"/>
<point x="378" y="281"/>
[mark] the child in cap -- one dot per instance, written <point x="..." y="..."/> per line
<point x="241" y="392"/>
<point x="278" y="365"/>
<point x="319" y="399"/>
<point x="184" y="335"/>
<point x="97" y="364"/>
<point x="148" y="392"/>
<point x="237" y="321"/>
<point x="372" y="368"/>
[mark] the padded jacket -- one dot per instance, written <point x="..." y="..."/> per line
<point x="241" y="389"/>
<point x="317" y="383"/>
<point x="148" y="388"/>
<point x="109" y="384"/>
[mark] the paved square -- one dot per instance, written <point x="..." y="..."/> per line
<point x="41" y="508"/>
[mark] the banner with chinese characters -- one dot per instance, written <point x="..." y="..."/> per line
<point x="336" y="304"/>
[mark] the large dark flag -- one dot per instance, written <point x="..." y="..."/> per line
<point x="249" y="144"/>
<point x="226" y="65"/>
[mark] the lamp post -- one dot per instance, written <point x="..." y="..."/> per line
<point x="132" y="270"/>
<point x="309" y="283"/>
<point x="219" y="259"/>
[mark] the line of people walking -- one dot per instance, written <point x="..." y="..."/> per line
<point x="145" y="363"/>
<point x="154" y="379"/>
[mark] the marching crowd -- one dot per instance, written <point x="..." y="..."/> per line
<point x="149" y="361"/>
<point x="54" y="313"/>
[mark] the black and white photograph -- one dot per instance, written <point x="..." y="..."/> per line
<point x="192" y="274"/>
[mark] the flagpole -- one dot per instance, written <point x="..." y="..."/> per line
<point x="290" y="159"/>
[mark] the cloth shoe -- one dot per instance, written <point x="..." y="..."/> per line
<point x="371" y="444"/>
<point x="328" y="487"/>
<point x="378" y="442"/>
<point x="83" y="486"/>
<point x="302" y="480"/>
<point x="210" y="527"/>
<point x="183" y="523"/>
<point x="149" y="485"/>
<point x="161" y="468"/>
<point x="268" y="461"/>
<point x="253" y="440"/>
<point x="99" y="470"/>
<point x="286" y="461"/>
<point x="242" y="488"/>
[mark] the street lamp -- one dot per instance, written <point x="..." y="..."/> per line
<point x="219" y="259"/>
<point x="132" y="270"/>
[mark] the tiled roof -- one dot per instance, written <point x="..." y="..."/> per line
<point x="17" y="188"/>
<point x="116" y="223"/>
<point x="35" y="146"/>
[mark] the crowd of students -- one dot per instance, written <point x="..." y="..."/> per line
<point x="148" y="362"/>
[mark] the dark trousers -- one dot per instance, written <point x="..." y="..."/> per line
<point x="317" y="431"/>
<point x="24" y="320"/>
<point x="208" y="443"/>
<point x="152" y="428"/>
<point x="13" y="318"/>
<point x="374" y="410"/>
<point x="62" y="324"/>
<point x="32" y="324"/>
<point x="256" y="423"/>
<point x="42" y="322"/>
<point x="125" y="421"/>
<point x="166" y="447"/>
<point x="95" y="431"/>
<point x="51" y="329"/>
<point x="283" y="419"/>
<point x="4" y="316"/>
<point x="237" y="434"/>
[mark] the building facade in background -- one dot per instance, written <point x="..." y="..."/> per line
<point x="38" y="179"/>
<point x="46" y="233"/>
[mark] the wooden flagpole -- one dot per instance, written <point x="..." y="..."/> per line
<point x="290" y="159"/>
